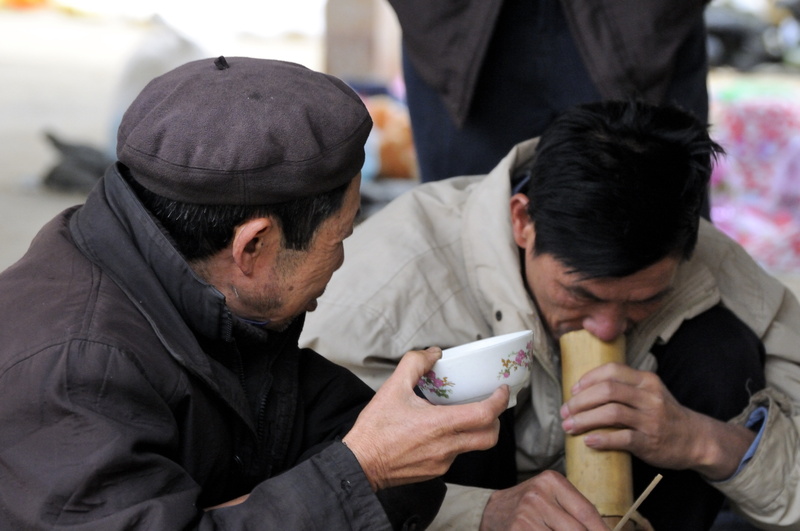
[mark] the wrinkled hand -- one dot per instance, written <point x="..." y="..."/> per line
<point x="546" y="501"/>
<point x="652" y="424"/>
<point x="401" y="438"/>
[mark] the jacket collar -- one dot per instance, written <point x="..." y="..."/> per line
<point x="116" y="232"/>
<point x="694" y="291"/>
<point x="488" y="241"/>
<point x="143" y="243"/>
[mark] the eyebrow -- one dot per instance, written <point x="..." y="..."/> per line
<point x="583" y="293"/>
<point x="352" y="227"/>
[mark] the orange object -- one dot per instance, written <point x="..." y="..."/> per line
<point x="23" y="4"/>
<point x="398" y="157"/>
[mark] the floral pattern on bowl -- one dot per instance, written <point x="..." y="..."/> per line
<point x="516" y="360"/>
<point x="431" y="383"/>
<point x="520" y="359"/>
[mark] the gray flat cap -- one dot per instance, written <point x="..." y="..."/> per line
<point x="243" y="131"/>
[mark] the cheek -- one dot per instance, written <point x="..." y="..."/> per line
<point x="327" y="267"/>
<point x="640" y="313"/>
<point x="568" y="314"/>
<point x="339" y="260"/>
<point x="557" y="309"/>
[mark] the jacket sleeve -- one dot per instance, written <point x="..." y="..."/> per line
<point x="332" y="398"/>
<point x="88" y="443"/>
<point x="617" y="44"/>
<point x="446" y="41"/>
<point x="327" y="491"/>
<point x="767" y="489"/>
<point x="462" y="509"/>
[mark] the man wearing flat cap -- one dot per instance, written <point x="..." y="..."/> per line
<point x="150" y="376"/>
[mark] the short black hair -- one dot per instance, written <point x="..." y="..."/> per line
<point x="199" y="231"/>
<point x="618" y="186"/>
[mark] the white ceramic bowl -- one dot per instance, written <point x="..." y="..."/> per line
<point x="471" y="372"/>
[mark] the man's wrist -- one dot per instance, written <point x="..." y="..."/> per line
<point x="725" y="445"/>
<point x="370" y="474"/>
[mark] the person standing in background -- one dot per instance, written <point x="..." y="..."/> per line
<point x="484" y="75"/>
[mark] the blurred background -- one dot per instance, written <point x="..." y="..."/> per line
<point x="68" y="69"/>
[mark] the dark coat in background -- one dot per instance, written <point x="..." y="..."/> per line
<point x="627" y="47"/>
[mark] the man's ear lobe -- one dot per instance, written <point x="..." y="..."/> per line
<point x="521" y="224"/>
<point x="251" y="240"/>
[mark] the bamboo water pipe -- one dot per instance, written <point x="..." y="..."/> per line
<point x="604" y="477"/>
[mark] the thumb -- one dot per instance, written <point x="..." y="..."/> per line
<point x="498" y="401"/>
<point x="415" y="363"/>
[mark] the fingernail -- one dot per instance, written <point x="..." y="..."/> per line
<point x="564" y="411"/>
<point x="568" y="425"/>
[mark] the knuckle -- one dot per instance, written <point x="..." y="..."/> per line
<point x="485" y="440"/>
<point x="626" y="437"/>
<point x="650" y="379"/>
<point x="550" y="476"/>
<point x="444" y="457"/>
<point x="531" y="498"/>
<point x="606" y="391"/>
<point x="659" y="401"/>
<point x="544" y="481"/>
<point x="479" y="415"/>
<point x="487" y="416"/>
<point x="617" y="411"/>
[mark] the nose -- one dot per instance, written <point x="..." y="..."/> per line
<point x="606" y="323"/>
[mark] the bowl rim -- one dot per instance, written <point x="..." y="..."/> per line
<point x="459" y="351"/>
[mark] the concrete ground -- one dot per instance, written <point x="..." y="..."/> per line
<point x="60" y="72"/>
<point x="57" y="73"/>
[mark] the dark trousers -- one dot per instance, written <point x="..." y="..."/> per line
<point x="531" y="72"/>
<point x="712" y="365"/>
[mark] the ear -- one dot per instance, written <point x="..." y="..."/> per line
<point x="521" y="224"/>
<point x="255" y="240"/>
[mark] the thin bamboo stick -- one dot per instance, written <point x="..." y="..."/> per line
<point x="638" y="502"/>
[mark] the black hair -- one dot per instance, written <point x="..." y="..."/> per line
<point x="618" y="186"/>
<point x="199" y="231"/>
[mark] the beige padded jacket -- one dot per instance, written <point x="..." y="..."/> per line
<point x="438" y="266"/>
